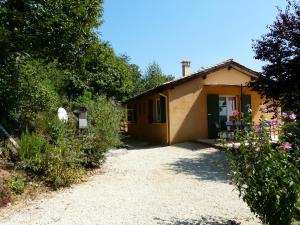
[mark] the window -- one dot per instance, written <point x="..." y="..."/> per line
<point x="150" y="111"/>
<point x="158" y="110"/>
<point x="132" y="114"/>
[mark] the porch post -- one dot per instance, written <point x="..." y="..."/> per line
<point x="241" y="99"/>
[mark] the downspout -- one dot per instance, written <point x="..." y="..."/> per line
<point x="167" y="117"/>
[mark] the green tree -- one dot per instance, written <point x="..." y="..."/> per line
<point x="102" y="72"/>
<point x="135" y="75"/>
<point x="280" y="78"/>
<point x="60" y="31"/>
<point x="154" y="76"/>
<point x="48" y="29"/>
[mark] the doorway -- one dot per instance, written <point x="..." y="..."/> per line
<point x="227" y="105"/>
<point x="220" y="109"/>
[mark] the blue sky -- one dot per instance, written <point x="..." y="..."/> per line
<point x="205" y="32"/>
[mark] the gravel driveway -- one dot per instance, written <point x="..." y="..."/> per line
<point x="185" y="184"/>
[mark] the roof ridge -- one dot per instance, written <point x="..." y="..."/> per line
<point x="204" y="72"/>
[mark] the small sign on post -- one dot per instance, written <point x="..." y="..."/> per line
<point x="82" y="122"/>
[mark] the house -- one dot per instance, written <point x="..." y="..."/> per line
<point x="195" y="106"/>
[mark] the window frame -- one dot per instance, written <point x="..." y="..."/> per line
<point x="132" y="114"/>
<point x="158" y="115"/>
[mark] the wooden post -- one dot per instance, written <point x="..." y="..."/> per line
<point x="7" y="135"/>
<point x="241" y="100"/>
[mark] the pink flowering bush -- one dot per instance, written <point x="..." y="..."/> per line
<point x="267" y="173"/>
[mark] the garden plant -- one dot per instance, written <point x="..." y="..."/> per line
<point x="266" y="172"/>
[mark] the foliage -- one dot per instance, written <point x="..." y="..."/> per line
<point x="36" y="91"/>
<point x="16" y="184"/>
<point x="32" y="152"/>
<point x="267" y="174"/>
<point x="37" y="87"/>
<point x="101" y="72"/>
<point x="57" y="163"/>
<point x="154" y="77"/>
<point x="48" y="29"/>
<point x="51" y="57"/>
<point x="57" y="151"/>
<point x="104" y="118"/>
<point x="280" y="48"/>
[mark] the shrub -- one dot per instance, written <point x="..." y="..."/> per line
<point x="103" y="129"/>
<point x="56" y="163"/>
<point x="267" y="174"/>
<point x="16" y="184"/>
<point x="56" y="151"/>
<point x="34" y="87"/>
<point x="62" y="167"/>
<point x="32" y="152"/>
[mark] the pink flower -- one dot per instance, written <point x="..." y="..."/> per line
<point x="235" y="113"/>
<point x="264" y="110"/>
<point x="286" y="146"/>
<point x="257" y="149"/>
<point x="293" y="116"/>
<point x="257" y="128"/>
<point x="274" y="122"/>
<point x="281" y="123"/>
<point x="284" y="115"/>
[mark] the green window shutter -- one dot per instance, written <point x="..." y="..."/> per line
<point x="246" y="103"/>
<point x="162" y="101"/>
<point x="150" y="111"/>
<point x="213" y="115"/>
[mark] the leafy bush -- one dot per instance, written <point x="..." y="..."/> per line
<point x="36" y="90"/>
<point x="267" y="174"/>
<point x="16" y="184"/>
<point x="56" y="163"/>
<point x="62" y="169"/>
<point x="57" y="151"/>
<point x="103" y="128"/>
<point x="32" y="152"/>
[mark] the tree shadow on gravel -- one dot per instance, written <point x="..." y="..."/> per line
<point x="208" y="220"/>
<point x="208" y="165"/>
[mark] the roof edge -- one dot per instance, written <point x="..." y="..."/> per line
<point x="202" y="73"/>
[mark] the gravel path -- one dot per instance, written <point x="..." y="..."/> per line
<point x="185" y="184"/>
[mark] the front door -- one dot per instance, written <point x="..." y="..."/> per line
<point x="213" y="115"/>
<point x="220" y="110"/>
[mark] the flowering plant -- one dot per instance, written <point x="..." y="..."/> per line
<point x="267" y="173"/>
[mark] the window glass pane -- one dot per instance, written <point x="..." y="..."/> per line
<point x="222" y="106"/>
<point x="231" y="105"/>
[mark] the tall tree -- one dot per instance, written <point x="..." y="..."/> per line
<point x="63" y="31"/>
<point x="46" y="28"/>
<point x="280" y="48"/>
<point x="154" y="76"/>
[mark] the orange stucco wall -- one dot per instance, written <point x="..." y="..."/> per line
<point x="187" y="107"/>
<point x="156" y="133"/>
<point x="227" y="76"/>
<point x="185" y="112"/>
<point x="188" y="103"/>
